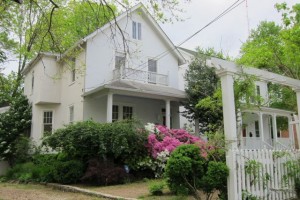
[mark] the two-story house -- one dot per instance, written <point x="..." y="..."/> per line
<point x="109" y="75"/>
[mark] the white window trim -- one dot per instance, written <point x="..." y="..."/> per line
<point x="138" y="37"/>
<point x="120" y="109"/>
<point x="42" y="119"/>
<point x="116" y="53"/>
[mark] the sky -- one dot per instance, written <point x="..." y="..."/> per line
<point x="226" y="34"/>
<point x="229" y="32"/>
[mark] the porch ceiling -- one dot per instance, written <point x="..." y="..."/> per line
<point x="133" y="88"/>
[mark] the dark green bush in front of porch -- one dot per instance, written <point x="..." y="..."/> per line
<point x="109" y="146"/>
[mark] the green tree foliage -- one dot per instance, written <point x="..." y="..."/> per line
<point x="7" y="86"/>
<point x="276" y="48"/>
<point x="72" y="22"/>
<point x="117" y="141"/>
<point x="14" y="124"/>
<point x="203" y="91"/>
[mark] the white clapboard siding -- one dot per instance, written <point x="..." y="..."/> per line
<point x="276" y="187"/>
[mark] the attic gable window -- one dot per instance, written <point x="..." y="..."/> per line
<point x="136" y="30"/>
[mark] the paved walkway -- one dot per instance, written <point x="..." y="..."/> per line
<point x="85" y="191"/>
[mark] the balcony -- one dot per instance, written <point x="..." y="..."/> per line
<point x="143" y="76"/>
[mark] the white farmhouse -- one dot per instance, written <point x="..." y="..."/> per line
<point x="105" y="77"/>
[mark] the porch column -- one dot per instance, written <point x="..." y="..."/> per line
<point x="230" y="129"/>
<point x="261" y="128"/>
<point x="274" y="124"/>
<point x="298" y="101"/>
<point x="109" y="107"/>
<point x="291" y="133"/>
<point x="168" y="114"/>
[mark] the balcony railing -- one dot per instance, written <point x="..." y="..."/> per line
<point x="139" y="75"/>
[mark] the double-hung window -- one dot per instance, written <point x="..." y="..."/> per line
<point x="127" y="112"/>
<point x="32" y="81"/>
<point x="71" y="114"/>
<point x="47" y="122"/>
<point x="120" y="112"/>
<point x="73" y="69"/>
<point x="119" y="60"/>
<point x="136" y="30"/>
<point x="115" y="113"/>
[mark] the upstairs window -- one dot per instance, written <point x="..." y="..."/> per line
<point x="119" y="60"/>
<point x="32" y="81"/>
<point x="73" y="70"/>
<point x="136" y="30"/>
<point x="71" y="114"/>
<point x="47" y="122"/>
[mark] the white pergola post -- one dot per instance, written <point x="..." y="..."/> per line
<point x="109" y="107"/>
<point x="230" y="130"/>
<point x="261" y="128"/>
<point x="298" y="114"/>
<point x="168" y="113"/>
<point x="229" y="116"/>
<point x="274" y="124"/>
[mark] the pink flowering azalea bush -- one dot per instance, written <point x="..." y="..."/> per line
<point x="162" y="139"/>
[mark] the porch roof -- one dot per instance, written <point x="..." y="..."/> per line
<point x="267" y="110"/>
<point x="134" y="88"/>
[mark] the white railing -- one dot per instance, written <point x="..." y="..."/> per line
<point x="257" y="143"/>
<point x="143" y="76"/>
<point x="262" y="173"/>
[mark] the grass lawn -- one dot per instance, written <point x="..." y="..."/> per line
<point x="138" y="190"/>
<point x="9" y="191"/>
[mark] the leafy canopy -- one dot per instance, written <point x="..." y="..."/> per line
<point x="276" y="48"/>
<point x="203" y="91"/>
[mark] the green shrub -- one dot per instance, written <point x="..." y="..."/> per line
<point x="297" y="187"/>
<point x="47" y="168"/>
<point x="215" y="177"/>
<point x="156" y="188"/>
<point x="21" y="172"/>
<point x="119" y="141"/>
<point x="67" y="171"/>
<point x="185" y="167"/>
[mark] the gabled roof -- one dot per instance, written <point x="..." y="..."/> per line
<point x="36" y="59"/>
<point x="141" y="8"/>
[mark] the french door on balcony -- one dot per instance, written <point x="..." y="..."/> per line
<point x="152" y="71"/>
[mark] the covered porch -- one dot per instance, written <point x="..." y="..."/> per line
<point x="123" y="99"/>
<point x="267" y="128"/>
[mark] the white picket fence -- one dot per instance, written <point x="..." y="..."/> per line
<point x="263" y="173"/>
